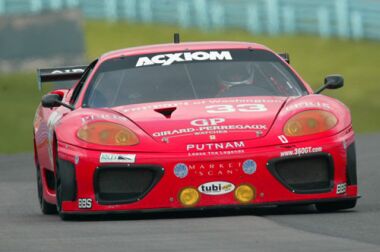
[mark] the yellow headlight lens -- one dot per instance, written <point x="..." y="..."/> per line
<point x="310" y="122"/>
<point x="189" y="196"/>
<point x="245" y="193"/>
<point x="107" y="133"/>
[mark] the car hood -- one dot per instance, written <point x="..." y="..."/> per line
<point x="205" y="120"/>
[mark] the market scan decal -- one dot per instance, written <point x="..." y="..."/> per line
<point x="117" y="158"/>
<point x="216" y="188"/>
<point x="214" y="169"/>
<point x="170" y="58"/>
<point x="226" y="148"/>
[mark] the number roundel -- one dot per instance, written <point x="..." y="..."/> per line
<point x="226" y="108"/>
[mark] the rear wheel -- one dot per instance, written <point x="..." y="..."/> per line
<point x="335" y="206"/>
<point x="46" y="208"/>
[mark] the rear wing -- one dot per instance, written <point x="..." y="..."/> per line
<point x="59" y="74"/>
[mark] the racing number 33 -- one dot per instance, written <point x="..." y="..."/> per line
<point x="224" y="108"/>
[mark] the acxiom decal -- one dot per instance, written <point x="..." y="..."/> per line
<point x="170" y="58"/>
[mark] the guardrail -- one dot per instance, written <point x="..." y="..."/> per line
<point x="355" y="19"/>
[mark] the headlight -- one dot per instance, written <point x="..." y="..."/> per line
<point x="189" y="197"/>
<point x="107" y="133"/>
<point x="245" y="193"/>
<point x="309" y="122"/>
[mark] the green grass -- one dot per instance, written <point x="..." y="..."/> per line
<point x="312" y="57"/>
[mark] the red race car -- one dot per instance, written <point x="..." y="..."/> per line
<point x="191" y="126"/>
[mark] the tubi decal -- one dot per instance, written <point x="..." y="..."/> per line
<point x="216" y="188"/>
<point x="117" y="158"/>
<point x="170" y="58"/>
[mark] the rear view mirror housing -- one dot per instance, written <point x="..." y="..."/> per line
<point x="54" y="99"/>
<point x="331" y="82"/>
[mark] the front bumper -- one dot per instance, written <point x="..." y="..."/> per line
<point x="164" y="193"/>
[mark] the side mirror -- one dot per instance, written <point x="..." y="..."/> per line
<point x="51" y="100"/>
<point x="331" y="82"/>
<point x="54" y="100"/>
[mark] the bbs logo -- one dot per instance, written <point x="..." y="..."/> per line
<point x="85" y="203"/>
<point x="341" y="188"/>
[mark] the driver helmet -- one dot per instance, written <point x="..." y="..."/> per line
<point x="236" y="73"/>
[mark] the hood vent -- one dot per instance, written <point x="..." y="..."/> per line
<point x="167" y="112"/>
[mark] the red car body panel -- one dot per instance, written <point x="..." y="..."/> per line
<point x="185" y="138"/>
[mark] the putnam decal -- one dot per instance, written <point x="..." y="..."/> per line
<point x="170" y="58"/>
<point x="216" y="188"/>
<point x="215" y="146"/>
<point x="117" y="158"/>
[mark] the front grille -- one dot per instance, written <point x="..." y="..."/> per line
<point x="125" y="184"/>
<point x="304" y="174"/>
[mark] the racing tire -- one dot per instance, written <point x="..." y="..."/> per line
<point x="46" y="208"/>
<point x="335" y="206"/>
<point x="58" y="191"/>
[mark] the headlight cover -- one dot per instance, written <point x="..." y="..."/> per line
<point x="107" y="133"/>
<point x="310" y="122"/>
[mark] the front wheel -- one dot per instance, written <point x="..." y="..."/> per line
<point x="58" y="191"/>
<point x="46" y="208"/>
<point x="336" y="205"/>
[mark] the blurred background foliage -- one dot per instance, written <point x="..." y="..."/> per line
<point x="312" y="57"/>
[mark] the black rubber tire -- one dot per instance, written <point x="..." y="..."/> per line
<point x="335" y="206"/>
<point x="46" y="208"/>
<point x="58" y="191"/>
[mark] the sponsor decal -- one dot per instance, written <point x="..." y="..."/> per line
<point x="170" y="58"/>
<point x="249" y="167"/>
<point x="215" y="146"/>
<point x="301" y="151"/>
<point x="117" y="158"/>
<point x="181" y="170"/>
<point x="213" y="129"/>
<point x="202" y="102"/>
<point x="74" y="70"/>
<point x="215" y="153"/>
<point x="216" y="188"/>
<point x="93" y="117"/>
<point x="76" y="159"/>
<point x="84" y="203"/>
<point x="215" y="169"/>
<point x="283" y="139"/>
<point x="207" y="122"/>
<point x="319" y="105"/>
<point x="341" y="188"/>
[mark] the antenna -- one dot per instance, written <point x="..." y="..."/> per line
<point x="176" y="38"/>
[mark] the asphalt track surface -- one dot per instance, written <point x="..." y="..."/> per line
<point x="24" y="228"/>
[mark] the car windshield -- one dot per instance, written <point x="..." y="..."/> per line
<point x="190" y="75"/>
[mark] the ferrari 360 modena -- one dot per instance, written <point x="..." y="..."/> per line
<point x="197" y="125"/>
